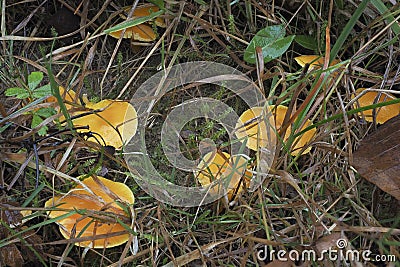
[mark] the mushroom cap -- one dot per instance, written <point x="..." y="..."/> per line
<point x="252" y="124"/>
<point x="68" y="96"/>
<point x="219" y="165"/>
<point x="316" y="62"/>
<point x="89" y="226"/>
<point x="142" y="33"/>
<point x="384" y="113"/>
<point x="299" y="142"/>
<point x="116" y="123"/>
<point x="257" y="132"/>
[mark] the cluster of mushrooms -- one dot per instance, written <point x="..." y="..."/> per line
<point x="107" y="219"/>
<point x="255" y="132"/>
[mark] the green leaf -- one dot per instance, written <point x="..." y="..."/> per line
<point x="272" y="41"/>
<point x="42" y="91"/>
<point x="134" y="22"/>
<point x="42" y="131"/>
<point x="307" y="41"/>
<point x="36" y="120"/>
<point x="34" y="79"/>
<point x="45" y="112"/>
<point x="18" y="92"/>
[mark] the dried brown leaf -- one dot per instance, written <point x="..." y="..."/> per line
<point x="10" y="256"/>
<point x="378" y="157"/>
<point x="8" y="215"/>
<point x="35" y="242"/>
<point x="328" y="242"/>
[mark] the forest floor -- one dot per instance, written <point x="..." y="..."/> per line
<point x="311" y="201"/>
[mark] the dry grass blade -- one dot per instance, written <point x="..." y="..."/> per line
<point x="194" y="255"/>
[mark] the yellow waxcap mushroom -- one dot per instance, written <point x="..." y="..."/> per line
<point x="252" y="127"/>
<point x="316" y="62"/>
<point x="142" y="33"/>
<point x="68" y="97"/>
<point x="384" y="113"/>
<point x="219" y="165"/>
<point x="116" y="123"/>
<point x="98" y="212"/>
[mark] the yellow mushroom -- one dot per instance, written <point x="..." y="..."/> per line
<point x="316" y="62"/>
<point x="220" y="165"/>
<point x="96" y="212"/>
<point x="253" y="128"/>
<point x="116" y="121"/>
<point x="114" y="124"/>
<point x="69" y="97"/>
<point x="384" y="113"/>
<point x="142" y="32"/>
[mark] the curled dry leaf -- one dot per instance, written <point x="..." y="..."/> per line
<point x="377" y="159"/>
<point x="98" y="212"/>
<point x="11" y="256"/>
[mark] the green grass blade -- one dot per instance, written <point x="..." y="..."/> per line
<point x="378" y="4"/>
<point x="134" y="22"/>
<point x="33" y="195"/>
<point x="350" y="112"/>
<point x="347" y="29"/>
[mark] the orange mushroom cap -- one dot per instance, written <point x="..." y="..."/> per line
<point x="384" y="113"/>
<point x="219" y="165"/>
<point x="316" y="62"/>
<point x="99" y="203"/>
<point x="69" y="97"/>
<point x="142" y="32"/>
<point x="116" y="123"/>
<point x="256" y="131"/>
<point x="254" y="126"/>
